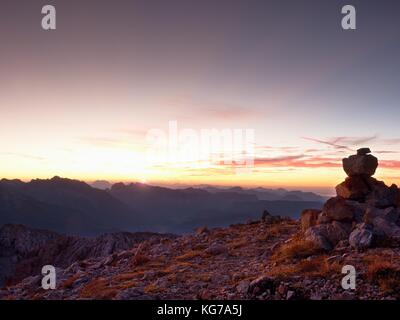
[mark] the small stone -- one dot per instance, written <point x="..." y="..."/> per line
<point x="363" y="151"/>
<point x="290" y="295"/>
<point x="262" y="284"/>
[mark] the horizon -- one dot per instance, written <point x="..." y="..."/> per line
<point x="80" y="102"/>
<point x="327" y="191"/>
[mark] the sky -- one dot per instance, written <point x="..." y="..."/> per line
<point x="80" y="101"/>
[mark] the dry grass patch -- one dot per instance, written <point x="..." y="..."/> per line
<point x="317" y="267"/>
<point x="236" y="244"/>
<point x="386" y="275"/>
<point x="129" y="276"/>
<point x="98" y="289"/>
<point x="68" y="284"/>
<point x="174" y="267"/>
<point x="191" y="255"/>
<point x="151" y="288"/>
<point x="295" y="249"/>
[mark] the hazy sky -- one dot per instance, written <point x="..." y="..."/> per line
<point x="78" y="101"/>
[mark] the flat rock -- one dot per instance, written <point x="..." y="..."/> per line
<point x="363" y="164"/>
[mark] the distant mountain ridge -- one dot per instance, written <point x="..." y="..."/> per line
<point x="279" y="194"/>
<point x="74" y="207"/>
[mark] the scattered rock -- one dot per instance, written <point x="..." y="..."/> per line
<point x="261" y="285"/>
<point x="270" y="219"/>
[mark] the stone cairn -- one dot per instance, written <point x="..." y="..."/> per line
<point x="365" y="212"/>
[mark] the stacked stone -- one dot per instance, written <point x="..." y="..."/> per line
<point x="364" y="213"/>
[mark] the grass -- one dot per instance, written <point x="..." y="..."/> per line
<point x="139" y="259"/>
<point x="386" y="275"/>
<point x="295" y="249"/>
<point x="191" y="255"/>
<point x="98" y="289"/>
<point x="316" y="267"/>
<point x="68" y="284"/>
<point x="151" y="288"/>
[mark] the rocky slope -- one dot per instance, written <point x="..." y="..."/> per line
<point x="258" y="260"/>
<point x="23" y="251"/>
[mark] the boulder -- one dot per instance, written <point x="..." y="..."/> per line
<point x="339" y="209"/>
<point x="326" y="236"/>
<point x="383" y="196"/>
<point x="336" y="231"/>
<point x="390" y="215"/>
<point x="359" y="210"/>
<point x="353" y="188"/>
<point x="360" y="164"/>
<point x="315" y="236"/>
<point x="309" y="218"/>
<point x="362" y="236"/>
<point x="386" y="229"/>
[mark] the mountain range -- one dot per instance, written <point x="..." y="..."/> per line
<point x="77" y="208"/>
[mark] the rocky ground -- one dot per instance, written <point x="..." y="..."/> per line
<point x="24" y="251"/>
<point x="257" y="260"/>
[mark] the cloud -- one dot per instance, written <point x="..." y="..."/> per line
<point x="385" y="152"/>
<point x="344" y="143"/>
<point x="277" y="160"/>
<point x="393" y="141"/>
<point x="389" y="164"/>
<point x="331" y="142"/>
<point x="22" y="155"/>
<point x="219" y="110"/>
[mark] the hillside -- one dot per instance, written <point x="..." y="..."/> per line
<point x="258" y="260"/>
<point x="24" y="251"/>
